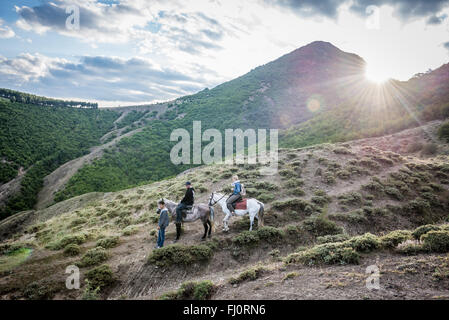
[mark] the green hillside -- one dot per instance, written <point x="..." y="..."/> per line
<point x="316" y="94"/>
<point x="38" y="139"/>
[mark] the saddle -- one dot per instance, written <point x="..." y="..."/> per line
<point x="187" y="211"/>
<point x="240" y="205"/>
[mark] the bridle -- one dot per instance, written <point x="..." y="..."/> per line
<point x="212" y="199"/>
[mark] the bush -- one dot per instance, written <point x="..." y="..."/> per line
<point x="248" y="275"/>
<point x="329" y="253"/>
<point x="410" y="248"/>
<point x="93" y="257"/>
<point x="270" y="234"/>
<point x="394" y="238"/>
<point x="293" y="204"/>
<point x="394" y="193"/>
<point x="130" y="230"/>
<point x="436" y="241"/>
<point x="109" y="242"/>
<point x="423" y="230"/>
<point x="100" y="277"/>
<point x="90" y="293"/>
<point x="351" y="198"/>
<point x="70" y="239"/>
<point x="72" y="250"/>
<point x="342" y="150"/>
<point x="332" y="238"/>
<point x="180" y="255"/>
<point x="202" y="290"/>
<point x="246" y="238"/>
<point x="364" y="243"/>
<point x="320" y="226"/>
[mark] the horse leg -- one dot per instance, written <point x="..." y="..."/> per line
<point x="225" y="222"/>
<point x="210" y="228"/>
<point x="251" y="221"/>
<point x="205" y="231"/>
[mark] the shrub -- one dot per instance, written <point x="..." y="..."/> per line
<point x="419" y="205"/>
<point x="100" y="277"/>
<point x="423" y="230"/>
<point x="69" y="239"/>
<point x="332" y="238"/>
<point x="180" y="255"/>
<point x="351" y="198"/>
<point x="410" y="248"/>
<point x="320" y="226"/>
<point x="343" y="174"/>
<point x="293" y="204"/>
<point x="436" y="241"/>
<point x="364" y="243"/>
<point x="287" y="173"/>
<point x="394" y="238"/>
<point x="93" y="257"/>
<point x="293" y="183"/>
<point x="72" y="250"/>
<point x="90" y="293"/>
<point x="320" y="200"/>
<point x="329" y="253"/>
<point x="342" y="150"/>
<point x="356" y="216"/>
<point x="297" y="192"/>
<point x="394" y="193"/>
<point x="248" y="275"/>
<point x="191" y="291"/>
<point x="130" y="230"/>
<point x="246" y="238"/>
<point x="270" y="234"/>
<point x="39" y="290"/>
<point x="108" y="242"/>
<point x="267" y="197"/>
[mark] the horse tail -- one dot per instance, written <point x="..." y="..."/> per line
<point x="212" y="214"/>
<point x="261" y="212"/>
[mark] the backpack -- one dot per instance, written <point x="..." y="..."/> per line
<point x="243" y="190"/>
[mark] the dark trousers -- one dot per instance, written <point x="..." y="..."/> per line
<point x="161" y="237"/>
<point x="231" y="200"/>
<point x="179" y="209"/>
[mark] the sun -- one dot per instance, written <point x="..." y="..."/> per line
<point x="376" y="74"/>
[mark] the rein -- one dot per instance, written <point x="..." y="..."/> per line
<point x="213" y="204"/>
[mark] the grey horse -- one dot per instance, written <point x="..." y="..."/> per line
<point x="200" y="211"/>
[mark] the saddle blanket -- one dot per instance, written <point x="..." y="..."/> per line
<point x="241" y="205"/>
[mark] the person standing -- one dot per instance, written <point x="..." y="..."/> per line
<point x="163" y="223"/>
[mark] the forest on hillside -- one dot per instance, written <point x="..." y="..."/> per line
<point x="38" y="139"/>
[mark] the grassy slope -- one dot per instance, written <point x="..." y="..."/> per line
<point x="362" y="186"/>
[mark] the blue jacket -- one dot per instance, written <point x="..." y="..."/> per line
<point x="237" y="187"/>
<point x="163" y="219"/>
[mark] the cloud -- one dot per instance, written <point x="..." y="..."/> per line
<point x="405" y="9"/>
<point x="160" y="26"/>
<point x="98" y="78"/>
<point x="436" y="20"/>
<point x="5" y="31"/>
<point x="446" y="45"/>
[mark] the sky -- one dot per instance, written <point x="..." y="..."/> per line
<point x="123" y="52"/>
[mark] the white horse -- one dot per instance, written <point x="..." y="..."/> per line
<point x="254" y="208"/>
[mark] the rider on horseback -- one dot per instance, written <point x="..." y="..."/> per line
<point x="236" y="194"/>
<point x="185" y="204"/>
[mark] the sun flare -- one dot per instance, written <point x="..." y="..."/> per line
<point x="376" y="74"/>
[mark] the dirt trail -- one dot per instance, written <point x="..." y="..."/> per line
<point x="56" y="180"/>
